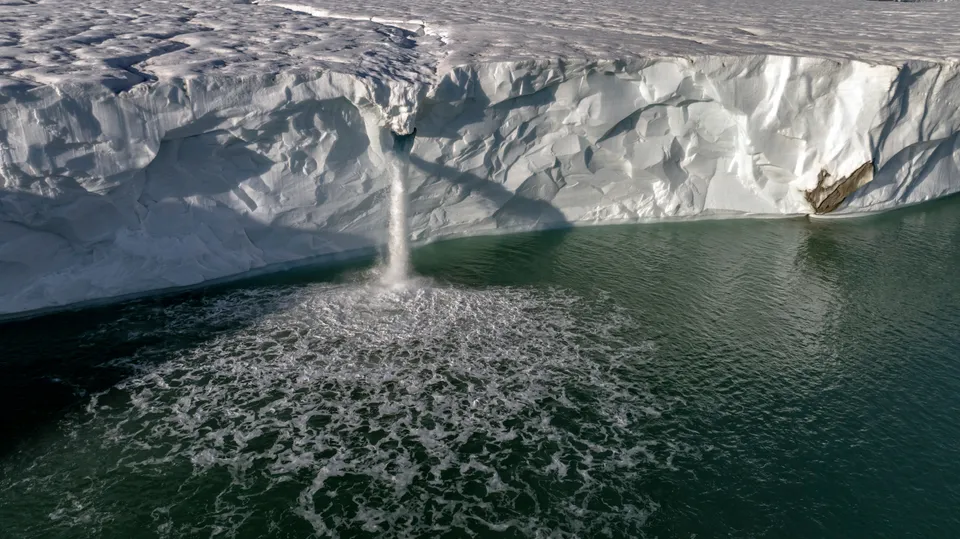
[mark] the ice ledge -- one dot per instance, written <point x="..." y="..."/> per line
<point x="194" y="178"/>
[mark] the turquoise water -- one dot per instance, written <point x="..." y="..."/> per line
<point x="711" y="379"/>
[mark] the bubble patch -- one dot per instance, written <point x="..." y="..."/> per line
<point x="352" y="410"/>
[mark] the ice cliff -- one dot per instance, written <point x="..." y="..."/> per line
<point x="148" y="145"/>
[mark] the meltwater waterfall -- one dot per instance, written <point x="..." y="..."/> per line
<point x="398" y="245"/>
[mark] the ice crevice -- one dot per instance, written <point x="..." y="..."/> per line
<point x="202" y="174"/>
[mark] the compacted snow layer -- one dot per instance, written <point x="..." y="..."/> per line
<point x="148" y="145"/>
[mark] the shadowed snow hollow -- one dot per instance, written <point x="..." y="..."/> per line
<point x="148" y="145"/>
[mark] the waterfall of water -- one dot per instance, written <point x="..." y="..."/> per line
<point x="398" y="247"/>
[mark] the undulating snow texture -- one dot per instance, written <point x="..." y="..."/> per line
<point x="149" y="145"/>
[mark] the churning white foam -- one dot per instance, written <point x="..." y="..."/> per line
<point x="398" y="412"/>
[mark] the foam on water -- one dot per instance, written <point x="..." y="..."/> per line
<point x="360" y="409"/>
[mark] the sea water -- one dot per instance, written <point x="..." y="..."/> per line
<point x="786" y="378"/>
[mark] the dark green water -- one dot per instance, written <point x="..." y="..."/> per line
<point x="713" y="379"/>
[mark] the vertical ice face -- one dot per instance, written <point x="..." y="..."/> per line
<point x="555" y="144"/>
<point x="229" y="142"/>
<point x="170" y="186"/>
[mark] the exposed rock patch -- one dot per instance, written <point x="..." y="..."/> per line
<point x="827" y="196"/>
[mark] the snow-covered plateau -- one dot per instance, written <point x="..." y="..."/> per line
<point x="150" y="144"/>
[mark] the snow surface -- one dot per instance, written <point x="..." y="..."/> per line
<point x="154" y="144"/>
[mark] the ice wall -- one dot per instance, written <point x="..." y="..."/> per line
<point x="178" y="183"/>
<point x="542" y="143"/>
<point x="188" y="179"/>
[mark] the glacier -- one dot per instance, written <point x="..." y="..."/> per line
<point x="150" y="145"/>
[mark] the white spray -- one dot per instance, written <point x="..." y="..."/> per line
<point x="398" y="248"/>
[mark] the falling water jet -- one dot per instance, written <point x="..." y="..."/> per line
<point x="398" y="247"/>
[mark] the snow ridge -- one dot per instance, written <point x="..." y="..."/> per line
<point x="150" y="145"/>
